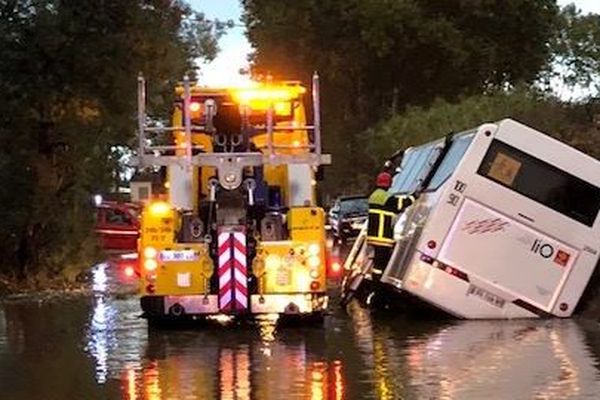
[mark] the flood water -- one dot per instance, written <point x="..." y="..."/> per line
<point x="97" y="347"/>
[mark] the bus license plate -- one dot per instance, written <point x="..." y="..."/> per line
<point x="178" y="255"/>
<point x="486" y="296"/>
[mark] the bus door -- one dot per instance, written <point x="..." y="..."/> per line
<point x="410" y="226"/>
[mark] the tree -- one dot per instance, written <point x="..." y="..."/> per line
<point x="576" y="51"/>
<point x="570" y="123"/>
<point x="68" y="92"/>
<point x="379" y="56"/>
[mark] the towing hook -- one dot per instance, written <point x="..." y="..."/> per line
<point x="291" y="309"/>
<point x="220" y="140"/>
<point x="176" y="310"/>
<point x="196" y="228"/>
<point x="236" y="140"/>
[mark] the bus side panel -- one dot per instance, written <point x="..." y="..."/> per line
<point x="511" y="256"/>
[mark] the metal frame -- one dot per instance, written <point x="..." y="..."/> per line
<point x="152" y="155"/>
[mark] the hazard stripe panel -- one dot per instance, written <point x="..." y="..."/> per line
<point x="233" y="270"/>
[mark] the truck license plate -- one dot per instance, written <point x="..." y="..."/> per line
<point x="284" y="276"/>
<point x="178" y="255"/>
<point x="486" y="296"/>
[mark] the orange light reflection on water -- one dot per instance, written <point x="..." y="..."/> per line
<point x="237" y="371"/>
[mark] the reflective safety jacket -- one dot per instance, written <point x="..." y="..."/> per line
<point x="383" y="207"/>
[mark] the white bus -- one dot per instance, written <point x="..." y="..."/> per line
<point x="506" y="226"/>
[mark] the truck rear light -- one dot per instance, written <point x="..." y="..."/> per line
<point x="315" y="285"/>
<point x="150" y="264"/>
<point x="159" y="209"/>
<point x="432" y="244"/>
<point x="150" y="288"/>
<point x="150" y="252"/>
<point x="563" y="306"/>
<point x="314" y="249"/>
<point x="314" y="261"/>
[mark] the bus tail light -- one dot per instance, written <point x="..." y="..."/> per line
<point x="315" y="285"/>
<point x="427" y="259"/>
<point x="455" y="272"/>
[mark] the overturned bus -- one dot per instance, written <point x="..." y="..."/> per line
<point x="506" y="225"/>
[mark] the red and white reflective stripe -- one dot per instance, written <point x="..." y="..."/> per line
<point x="240" y="269"/>
<point x="233" y="272"/>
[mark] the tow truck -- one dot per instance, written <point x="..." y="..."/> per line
<point x="238" y="231"/>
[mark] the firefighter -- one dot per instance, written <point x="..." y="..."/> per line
<point x="384" y="207"/>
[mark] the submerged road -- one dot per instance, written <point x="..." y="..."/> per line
<point x="96" y="347"/>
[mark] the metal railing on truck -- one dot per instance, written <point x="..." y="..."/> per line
<point x="155" y="155"/>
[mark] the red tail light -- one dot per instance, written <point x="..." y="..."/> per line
<point x="432" y="244"/>
<point x="427" y="259"/>
<point x="334" y="268"/>
<point x="129" y="271"/>
<point x="457" y="273"/>
<point x="315" y="285"/>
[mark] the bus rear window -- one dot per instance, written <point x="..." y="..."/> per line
<point x="541" y="182"/>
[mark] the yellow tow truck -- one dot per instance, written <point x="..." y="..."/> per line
<point x="238" y="231"/>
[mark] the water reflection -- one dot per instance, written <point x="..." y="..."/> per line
<point x="115" y="356"/>
<point x="524" y="359"/>
<point x="478" y="359"/>
<point x="222" y="362"/>
<point x="115" y="335"/>
<point x="232" y="365"/>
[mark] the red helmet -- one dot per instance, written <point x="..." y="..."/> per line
<point x="384" y="180"/>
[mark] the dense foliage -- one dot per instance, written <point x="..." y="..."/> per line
<point x="572" y="123"/>
<point x="376" y="57"/>
<point x="67" y="98"/>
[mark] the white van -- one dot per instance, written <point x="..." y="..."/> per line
<point x="506" y="226"/>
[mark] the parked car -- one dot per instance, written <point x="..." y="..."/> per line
<point x="118" y="225"/>
<point x="347" y="216"/>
